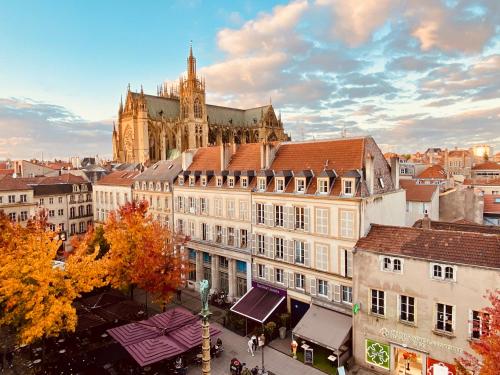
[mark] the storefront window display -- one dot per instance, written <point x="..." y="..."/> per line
<point x="407" y="362"/>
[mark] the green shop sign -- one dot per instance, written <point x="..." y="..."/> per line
<point x="378" y="354"/>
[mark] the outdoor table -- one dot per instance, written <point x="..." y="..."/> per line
<point x="332" y="357"/>
<point x="104" y="335"/>
<point x="62" y="351"/>
<point x="37" y="361"/>
<point x="60" y="341"/>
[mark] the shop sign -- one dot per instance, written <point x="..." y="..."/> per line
<point x="308" y="356"/>
<point x="435" y="367"/>
<point x="378" y="354"/>
<point x="417" y="342"/>
<point x="269" y="288"/>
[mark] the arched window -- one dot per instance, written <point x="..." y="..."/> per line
<point x="197" y="108"/>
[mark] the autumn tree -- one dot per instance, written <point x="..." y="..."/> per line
<point x="142" y="252"/>
<point x="486" y="357"/>
<point x="36" y="295"/>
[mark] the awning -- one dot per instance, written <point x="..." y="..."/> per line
<point x="324" y="327"/>
<point x="257" y="304"/>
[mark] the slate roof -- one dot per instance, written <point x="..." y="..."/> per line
<point x="434" y="172"/>
<point x="417" y="193"/>
<point x="163" y="170"/>
<point x="118" y="178"/>
<point x="487" y="165"/>
<point x="469" y="248"/>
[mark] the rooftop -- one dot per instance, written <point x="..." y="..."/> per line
<point x="434" y="171"/>
<point x="119" y="178"/>
<point x="492" y="204"/>
<point x="451" y="246"/>
<point x="417" y="193"/>
<point x="487" y="165"/>
<point x="460" y="227"/>
<point x="482" y="181"/>
<point x="163" y="170"/>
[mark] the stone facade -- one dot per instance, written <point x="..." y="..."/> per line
<point x="158" y="127"/>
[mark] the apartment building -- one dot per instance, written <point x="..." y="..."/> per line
<point x="488" y="169"/>
<point x="16" y="199"/>
<point x="458" y="162"/>
<point x="212" y="201"/>
<point x="111" y="192"/>
<point x="421" y="200"/>
<point x="419" y="293"/>
<point x="154" y="185"/>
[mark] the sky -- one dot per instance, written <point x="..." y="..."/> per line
<point x="412" y="73"/>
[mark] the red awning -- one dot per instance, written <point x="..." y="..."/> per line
<point x="257" y="304"/>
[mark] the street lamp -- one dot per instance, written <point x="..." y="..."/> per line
<point x="262" y="341"/>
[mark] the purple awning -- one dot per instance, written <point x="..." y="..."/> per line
<point x="172" y="319"/>
<point x="133" y="333"/>
<point x="153" y="350"/>
<point x="190" y="335"/>
<point x="258" y="304"/>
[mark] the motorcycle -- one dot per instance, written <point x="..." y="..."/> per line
<point x="235" y="366"/>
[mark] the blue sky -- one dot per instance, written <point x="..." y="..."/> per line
<point x="413" y="73"/>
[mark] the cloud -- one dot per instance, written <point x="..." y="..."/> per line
<point x="35" y="127"/>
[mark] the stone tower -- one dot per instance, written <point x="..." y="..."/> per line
<point x="193" y="110"/>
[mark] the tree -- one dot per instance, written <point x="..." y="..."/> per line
<point x="487" y="347"/>
<point x="142" y="252"/>
<point x="93" y="237"/>
<point x="36" y="295"/>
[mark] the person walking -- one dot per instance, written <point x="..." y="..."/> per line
<point x="250" y="347"/>
<point x="255" y="343"/>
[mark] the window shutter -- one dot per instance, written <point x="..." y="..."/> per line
<point x="470" y="325"/>
<point x="291" y="250"/>
<point x="285" y="278"/>
<point x="198" y="206"/>
<point x="268" y="214"/>
<point x="336" y="292"/>
<point x="254" y="271"/>
<point x="330" y="290"/>
<point x="291" y="281"/>
<point x="307" y="219"/>
<point x="206" y="205"/>
<point x="291" y="217"/>
<point x="307" y="254"/>
<point x="254" y="213"/>
<point x="224" y="236"/>
<point x="184" y="204"/>
<point x="210" y="233"/>
<point x="268" y="246"/>
<point x="253" y="243"/>
<point x="271" y="275"/>
<point x="266" y="272"/>
<point x="312" y="286"/>
<point x="342" y="263"/>
<point x="176" y="204"/>
<point x="236" y="238"/>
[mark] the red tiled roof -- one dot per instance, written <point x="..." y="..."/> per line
<point x="437" y="245"/>
<point x="8" y="183"/>
<point x="246" y="158"/>
<point x="434" y="171"/>
<point x="206" y="159"/>
<point x="460" y="227"/>
<point x="6" y="171"/>
<point x="458" y="153"/>
<point x="482" y="181"/>
<point x="25" y="183"/>
<point x="487" y="165"/>
<point x="120" y="178"/>
<point x="417" y="193"/>
<point x="492" y="204"/>
<point x="338" y="154"/>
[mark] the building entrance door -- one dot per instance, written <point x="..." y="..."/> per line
<point x="408" y="362"/>
<point x="298" y="310"/>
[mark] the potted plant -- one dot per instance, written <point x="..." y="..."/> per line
<point x="270" y="328"/>
<point x="284" y="320"/>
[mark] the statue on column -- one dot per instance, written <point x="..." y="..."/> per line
<point x="204" y="290"/>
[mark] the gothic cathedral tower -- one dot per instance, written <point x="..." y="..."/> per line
<point x="193" y="111"/>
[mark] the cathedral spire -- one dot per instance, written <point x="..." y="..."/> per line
<point x="121" y="105"/>
<point x="191" y="68"/>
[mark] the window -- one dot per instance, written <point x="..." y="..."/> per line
<point x="223" y="262"/>
<point x="387" y="264"/>
<point x="22" y="198"/>
<point x="322" y="220"/>
<point x="203" y="181"/>
<point x="261" y="271"/>
<point x="397" y="265"/>
<point x="180" y="203"/>
<point x="197" y="108"/>
<point x="479" y="324"/>
<point x="278" y="216"/>
<point x="261" y="183"/>
<point x="300" y="281"/>
<point x="346" y="266"/>
<point x="346" y="224"/>
<point x="192" y="228"/>
<point x="204" y="231"/>
<point x="12" y="199"/>
<point x="218" y="233"/>
<point x="378" y="302"/>
<point x="323" y="186"/>
<point x="52" y="227"/>
<point x="300" y="185"/>
<point x="231" y="210"/>
<point x="24" y="215"/>
<point x="180" y="226"/>
<point x="260" y="213"/>
<point x="41" y="200"/>
<point x="243" y="210"/>
<point x="280" y="276"/>
<point x="448" y="273"/>
<point x="72" y="229"/>
<point x="347" y="187"/>
<point x="243" y="238"/>
<point x="299" y="217"/>
<point x="230" y="236"/>
<point x="391" y="264"/>
<point x="261" y="244"/>
<point x="219" y="181"/>
<point x="192" y="205"/>
<point x="280" y="185"/>
<point x="218" y="207"/>
<point x="12" y="216"/>
<point x="437" y="271"/>
<point x="299" y="252"/>
<point x="244" y="182"/>
<point x="346" y="294"/>
<point x="60" y="199"/>
<point x="181" y="180"/>
<point x="203" y="205"/>
<point x="279" y="247"/>
<point x="52" y="213"/>
<point x="443" y="272"/>
<point x="81" y="227"/>
<point x="407" y="309"/>
<point x="61" y="226"/>
<point x="51" y="200"/>
<point x="323" y="288"/>
<point x="444" y="318"/>
<point x="322" y="257"/>
<point x="230" y="182"/>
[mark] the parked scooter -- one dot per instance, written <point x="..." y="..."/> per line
<point x="235" y="366"/>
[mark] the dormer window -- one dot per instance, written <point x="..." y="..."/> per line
<point x="158" y="186"/>
<point x="300" y="185"/>
<point x="348" y="187"/>
<point x="151" y="186"/>
<point x="230" y="182"/>
<point x="381" y="182"/>
<point x="191" y="180"/>
<point x="323" y="185"/>
<point x="143" y="186"/>
<point x="137" y="185"/>
<point x="166" y="187"/>
<point x="75" y="188"/>
<point x="219" y="181"/>
<point x="261" y="183"/>
<point x="181" y="180"/>
<point x="280" y="185"/>
<point x="203" y="180"/>
<point x="244" y="182"/>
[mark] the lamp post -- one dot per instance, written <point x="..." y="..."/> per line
<point x="205" y="328"/>
<point x="262" y="341"/>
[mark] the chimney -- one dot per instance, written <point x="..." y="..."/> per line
<point x="426" y="222"/>
<point x="395" y="171"/>
<point x="186" y="159"/>
<point x="226" y="151"/>
<point x="370" y="173"/>
<point x="262" y="156"/>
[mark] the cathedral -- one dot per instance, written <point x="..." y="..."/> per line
<point x="159" y="127"/>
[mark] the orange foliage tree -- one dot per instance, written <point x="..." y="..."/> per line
<point x="143" y="253"/>
<point x="487" y="347"/>
<point x="36" y="294"/>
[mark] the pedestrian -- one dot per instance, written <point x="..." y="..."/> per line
<point x="254" y="341"/>
<point x="179" y="294"/>
<point x="250" y="347"/>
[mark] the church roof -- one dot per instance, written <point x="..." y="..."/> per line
<point x="159" y="105"/>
